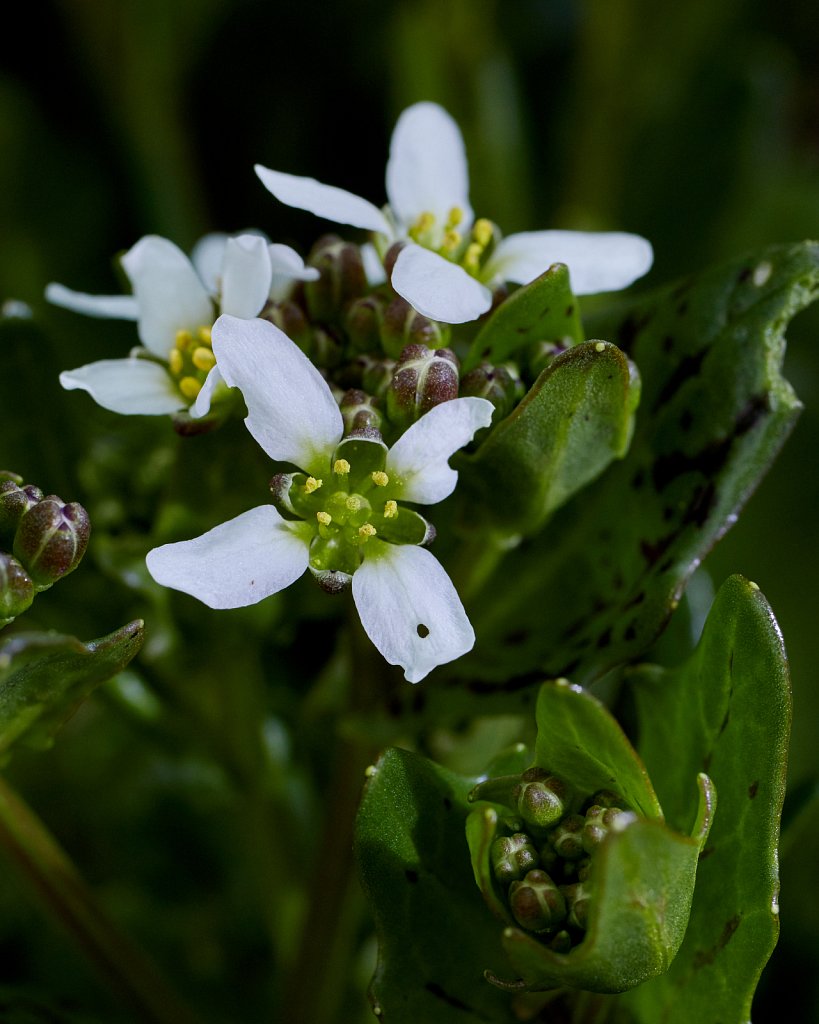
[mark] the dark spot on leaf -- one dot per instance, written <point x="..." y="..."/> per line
<point x="569" y="310"/>
<point x="574" y="629"/>
<point x="686" y="419"/>
<point x="422" y="630"/>
<point x="703" y="958"/>
<point x="419" y="700"/>
<point x="617" y="580"/>
<point x="630" y="328"/>
<point x="668" y="512"/>
<point x="686" y="369"/>
<point x="753" y="789"/>
<point x="545" y="311"/>
<point x="668" y="343"/>
<point x="744" y="274"/>
<point x="395" y="707"/>
<point x="488" y="351"/>
<point x="447" y="804"/>
<point x="706" y="852"/>
<point x="411" y="876"/>
<point x="638" y="599"/>
<point x="725" y="722"/>
<point x="604" y="639"/>
<point x="520" y="330"/>
<point x="638" y="479"/>
<point x="517" y="638"/>
<point x="630" y="633"/>
<point x="682" y="309"/>
<point x="701" y="504"/>
<point x="706" y="761"/>
<point x="569" y="669"/>
<point x="666" y="565"/>
<point x="435" y="989"/>
<point x="652" y="552"/>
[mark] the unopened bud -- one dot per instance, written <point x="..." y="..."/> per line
<point x="51" y="539"/>
<point x="402" y="325"/>
<point x="567" y="838"/>
<point x="341" y="278"/>
<point x="15" y="501"/>
<point x="536" y="902"/>
<point x="375" y="375"/>
<point x="325" y="349"/>
<point x="496" y="384"/>
<point x="577" y="898"/>
<point x="543" y="353"/>
<point x="512" y="857"/>
<point x="16" y="589"/>
<point x="599" y="821"/>
<point x="391" y="256"/>
<point x="359" y="412"/>
<point x="289" y="317"/>
<point x="423" y="379"/>
<point x="540" y="798"/>
<point x="363" y="321"/>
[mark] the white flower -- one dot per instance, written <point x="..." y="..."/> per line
<point x="174" y="303"/>
<point x="349" y="500"/>
<point x="449" y="263"/>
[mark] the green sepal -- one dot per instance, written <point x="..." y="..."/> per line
<point x="365" y="455"/>
<point x="725" y="711"/>
<point x="44" y="677"/>
<point x="543" y="310"/>
<point x="577" y="417"/>
<point x="408" y="527"/>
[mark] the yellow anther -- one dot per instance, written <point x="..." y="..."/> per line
<point x="175" y="361"/>
<point x="482" y="232"/>
<point x="203" y="358"/>
<point x="190" y="387"/>
<point x="452" y="239"/>
<point x="472" y="256"/>
<point x="311" y="484"/>
<point x="456" y="215"/>
<point x="390" y="509"/>
<point x="324" y="518"/>
<point x="204" y="335"/>
<point x="366" y="531"/>
<point x="424" y="223"/>
<point x="183" y="339"/>
<point x="380" y="478"/>
<point x="341" y="467"/>
<point x="353" y="503"/>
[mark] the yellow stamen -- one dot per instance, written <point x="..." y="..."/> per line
<point x="452" y="239"/>
<point x="422" y="225"/>
<point x="324" y="518"/>
<point x="175" y="361"/>
<point x="366" y="531"/>
<point x="482" y="232"/>
<point x="204" y="335"/>
<point x="472" y="256"/>
<point x="183" y="339"/>
<point x="380" y="478"/>
<point x="190" y="387"/>
<point x="390" y="509"/>
<point x="341" y="467"/>
<point x="353" y="503"/>
<point x="203" y="358"/>
<point x="456" y="215"/>
<point x="311" y="484"/>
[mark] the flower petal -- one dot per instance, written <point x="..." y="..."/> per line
<point x="410" y="609"/>
<point x="235" y="564"/>
<point x="287" y="266"/>
<point x="291" y="410"/>
<point x="598" y="261"/>
<point x="207" y="257"/>
<point x="326" y="201"/>
<point x="420" y="457"/>
<point x="246" y="275"/>
<point x="170" y="295"/>
<point x="114" y="307"/>
<point x="438" y="288"/>
<point x="427" y="169"/>
<point x="128" y="386"/>
<point x="201" y="407"/>
<point x="373" y="267"/>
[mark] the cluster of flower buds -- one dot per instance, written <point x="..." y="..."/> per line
<point x="46" y="539"/>
<point x="543" y="865"/>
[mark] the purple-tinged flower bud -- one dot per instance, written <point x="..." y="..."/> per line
<point x="325" y="349"/>
<point x="542" y="353"/>
<point x="423" y="379"/>
<point x="561" y="942"/>
<point x="342" y="278"/>
<point x="599" y="821"/>
<point x="375" y="375"/>
<point x="16" y="589"/>
<point x="363" y="321"/>
<point x="15" y="501"/>
<point x="512" y="857"/>
<point x="577" y="898"/>
<point x="495" y="383"/>
<point x="402" y="325"/>
<point x="540" y="798"/>
<point x="567" y="838"/>
<point x="289" y="317"/>
<point x="359" y="412"/>
<point x="51" y="539"/>
<point x="536" y="902"/>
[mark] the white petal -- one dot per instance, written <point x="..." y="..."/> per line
<point x="127" y="386"/>
<point x="201" y="407"/>
<point x="246" y="275"/>
<point x="170" y="295"/>
<point x="438" y="288"/>
<point x="420" y="457"/>
<point x="598" y="261"/>
<point x="113" y="307"/>
<point x="427" y="170"/>
<point x="373" y="267"/>
<point x="326" y="201"/>
<point x="291" y="410"/>
<point x="402" y="591"/>
<point x="235" y="564"/>
<point x="207" y="257"/>
<point x="287" y="266"/>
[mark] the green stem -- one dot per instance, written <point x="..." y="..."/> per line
<point x="122" y="965"/>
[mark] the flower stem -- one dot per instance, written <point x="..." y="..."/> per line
<point x="122" y="965"/>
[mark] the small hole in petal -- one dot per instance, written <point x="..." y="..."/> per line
<point x="422" y="630"/>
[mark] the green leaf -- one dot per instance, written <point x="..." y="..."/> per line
<point x="44" y="677"/>
<point x="577" y="417"/>
<point x="436" y="934"/>
<point x="595" y="587"/>
<point x="725" y="711"/>
<point x="543" y="310"/>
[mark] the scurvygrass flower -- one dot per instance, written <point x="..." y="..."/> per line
<point x="345" y="517"/>
<point x="450" y="262"/>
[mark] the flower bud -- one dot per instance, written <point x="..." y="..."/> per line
<point x="325" y="349"/>
<point x="543" y="353"/>
<point x="289" y="317"/>
<point x="512" y="857"/>
<point x="341" y="278"/>
<point x="402" y="325"/>
<point x="423" y="378"/>
<point x="567" y="838"/>
<point x="51" y="539"/>
<point x="391" y="256"/>
<point x="375" y="375"/>
<point x="359" y="412"/>
<point x="599" y="821"/>
<point x="495" y="383"/>
<point x="540" y="798"/>
<point x="363" y="321"/>
<point x="15" y="501"/>
<point x="16" y="589"/>
<point x="577" y="897"/>
<point x="536" y="902"/>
